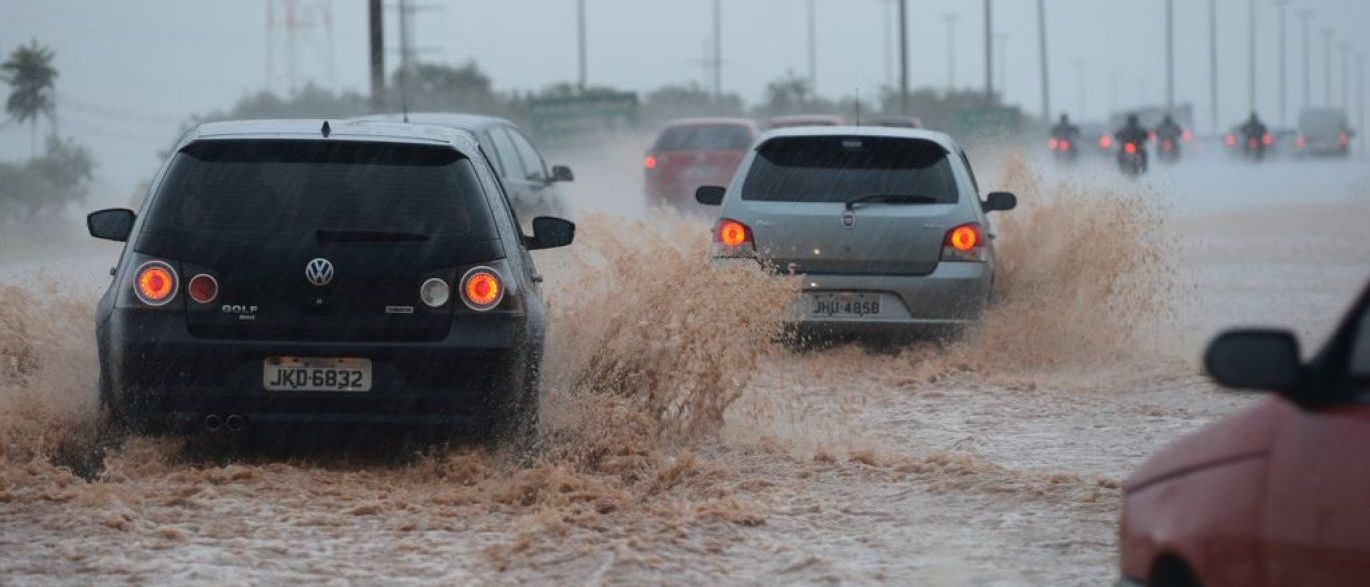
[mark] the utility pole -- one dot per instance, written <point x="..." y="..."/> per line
<point x="377" y="14"/>
<point x="950" y="19"/>
<point x="989" y="50"/>
<point x="718" y="50"/>
<point x="1213" y="61"/>
<point x="580" y="27"/>
<point x="1327" y="66"/>
<point x="1307" y="16"/>
<point x="813" y="48"/>
<point x="1169" y="56"/>
<point x="1284" y="54"/>
<point x="1251" y="57"/>
<point x="903" y="56"/>
<point x="1042" y="50"/>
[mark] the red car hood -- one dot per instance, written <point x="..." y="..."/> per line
<point x="1243" y="435"/>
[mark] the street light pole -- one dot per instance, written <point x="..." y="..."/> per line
<point x="1213" y="61"/>
<point x="1327" y="66"/>
<point x="950" y="19"/>
<point x="989" y="50"/>
<point x="1169" y="56"/>
<point x="1284" y="89"/>
<point x="813" y="48"/>
<point x="1251" y="44"/>
<point x="1001" y="44"/>
<point x="1307" y="16"/>
<point x="1080" y="74"/>
<point x="903" y="56"/>
<point x="1360" y="101"/>
<point x="1345" y="47"/>
<point x="580" y="21"/>
<point x="1042" y="51"/>
<point x="718" y="50"/>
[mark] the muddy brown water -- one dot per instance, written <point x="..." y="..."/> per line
<point x="684" y="446"/>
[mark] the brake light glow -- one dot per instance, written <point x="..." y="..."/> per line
<point x="1052" y="143"/>
<point x="1301" y="142"/>
<point x="1268" y="139"/>
<point x="649" y="162"/>
<point x="1131" y="148"/>
<point x="1187" y="136"/>
<point x="733" y="233"/>
<point x="482" y="289"/>
<point x="965" y="243"/>
<point x="1344" y="139"/>
<point x="1105" y="142"/>
<point x="1230" y="140"/>
<point x="203" y="288"/>
<point x="155" y="283"/>
<point x="1065" y="145"/>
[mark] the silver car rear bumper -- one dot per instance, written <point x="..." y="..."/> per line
<point x="953" y="294"/>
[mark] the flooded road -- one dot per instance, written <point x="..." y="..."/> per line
<point x="685" y="446"/>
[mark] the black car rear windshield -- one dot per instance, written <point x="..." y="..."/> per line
<point x="704" y="137"/>
<point x="271" y="189"/>
<point x="839" y="169"/>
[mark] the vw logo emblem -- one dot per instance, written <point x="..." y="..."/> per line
<point x="319" y="272"/>
<point x="848" y="219"/>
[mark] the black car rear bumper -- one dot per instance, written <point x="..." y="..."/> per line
<point x="156" y="372"/>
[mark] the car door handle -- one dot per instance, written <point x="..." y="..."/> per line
<point x="537" y="278"/>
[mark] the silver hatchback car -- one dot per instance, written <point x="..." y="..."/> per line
<point x="885" y="225"/>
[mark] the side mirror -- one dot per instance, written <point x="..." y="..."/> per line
<point x="550" y="233"/>
<point x="1266" y="360"/>
<point x="710" y="195"/>
<point x="1000" y="202"/>
<point x="562" y="173"/>
<point x="112" y="224"/>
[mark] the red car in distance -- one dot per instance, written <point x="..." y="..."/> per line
<point x="1276" y="495"/>
<point x="692" y="152"/>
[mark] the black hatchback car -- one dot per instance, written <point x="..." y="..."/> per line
<point x="308" y="272"/>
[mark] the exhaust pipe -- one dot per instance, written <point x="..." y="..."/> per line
<point x="213" y="423"/>
<point x="235" y="422"/>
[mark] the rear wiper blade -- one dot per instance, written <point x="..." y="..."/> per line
<point x="890" y="199"/>
<point x="368" y="236"/>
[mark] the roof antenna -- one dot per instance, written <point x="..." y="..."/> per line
<point x="325" y="129"/>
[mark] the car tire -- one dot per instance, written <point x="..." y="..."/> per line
<point x="515" y="420"/>
<point x="1172" y="572"/>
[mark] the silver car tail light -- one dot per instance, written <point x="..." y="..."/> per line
<point x="964" y="243"/>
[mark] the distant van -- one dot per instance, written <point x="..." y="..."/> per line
<point x="1324" y="131"/>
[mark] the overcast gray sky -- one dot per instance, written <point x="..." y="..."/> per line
<point x="132" y="70"/>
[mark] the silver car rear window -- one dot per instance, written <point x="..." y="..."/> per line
<point x="841" y="168"/>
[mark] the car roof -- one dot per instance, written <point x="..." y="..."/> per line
<point x="804" y="117"/>
<point x="344" y="129"/>
<point x="461" y="120"/>
<point x="711" y="120"/>
<point x="941" y="138"/>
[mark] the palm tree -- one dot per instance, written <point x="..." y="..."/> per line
<point x="30" y="74"/>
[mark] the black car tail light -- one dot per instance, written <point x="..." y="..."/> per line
<point x="155" y="283"/>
